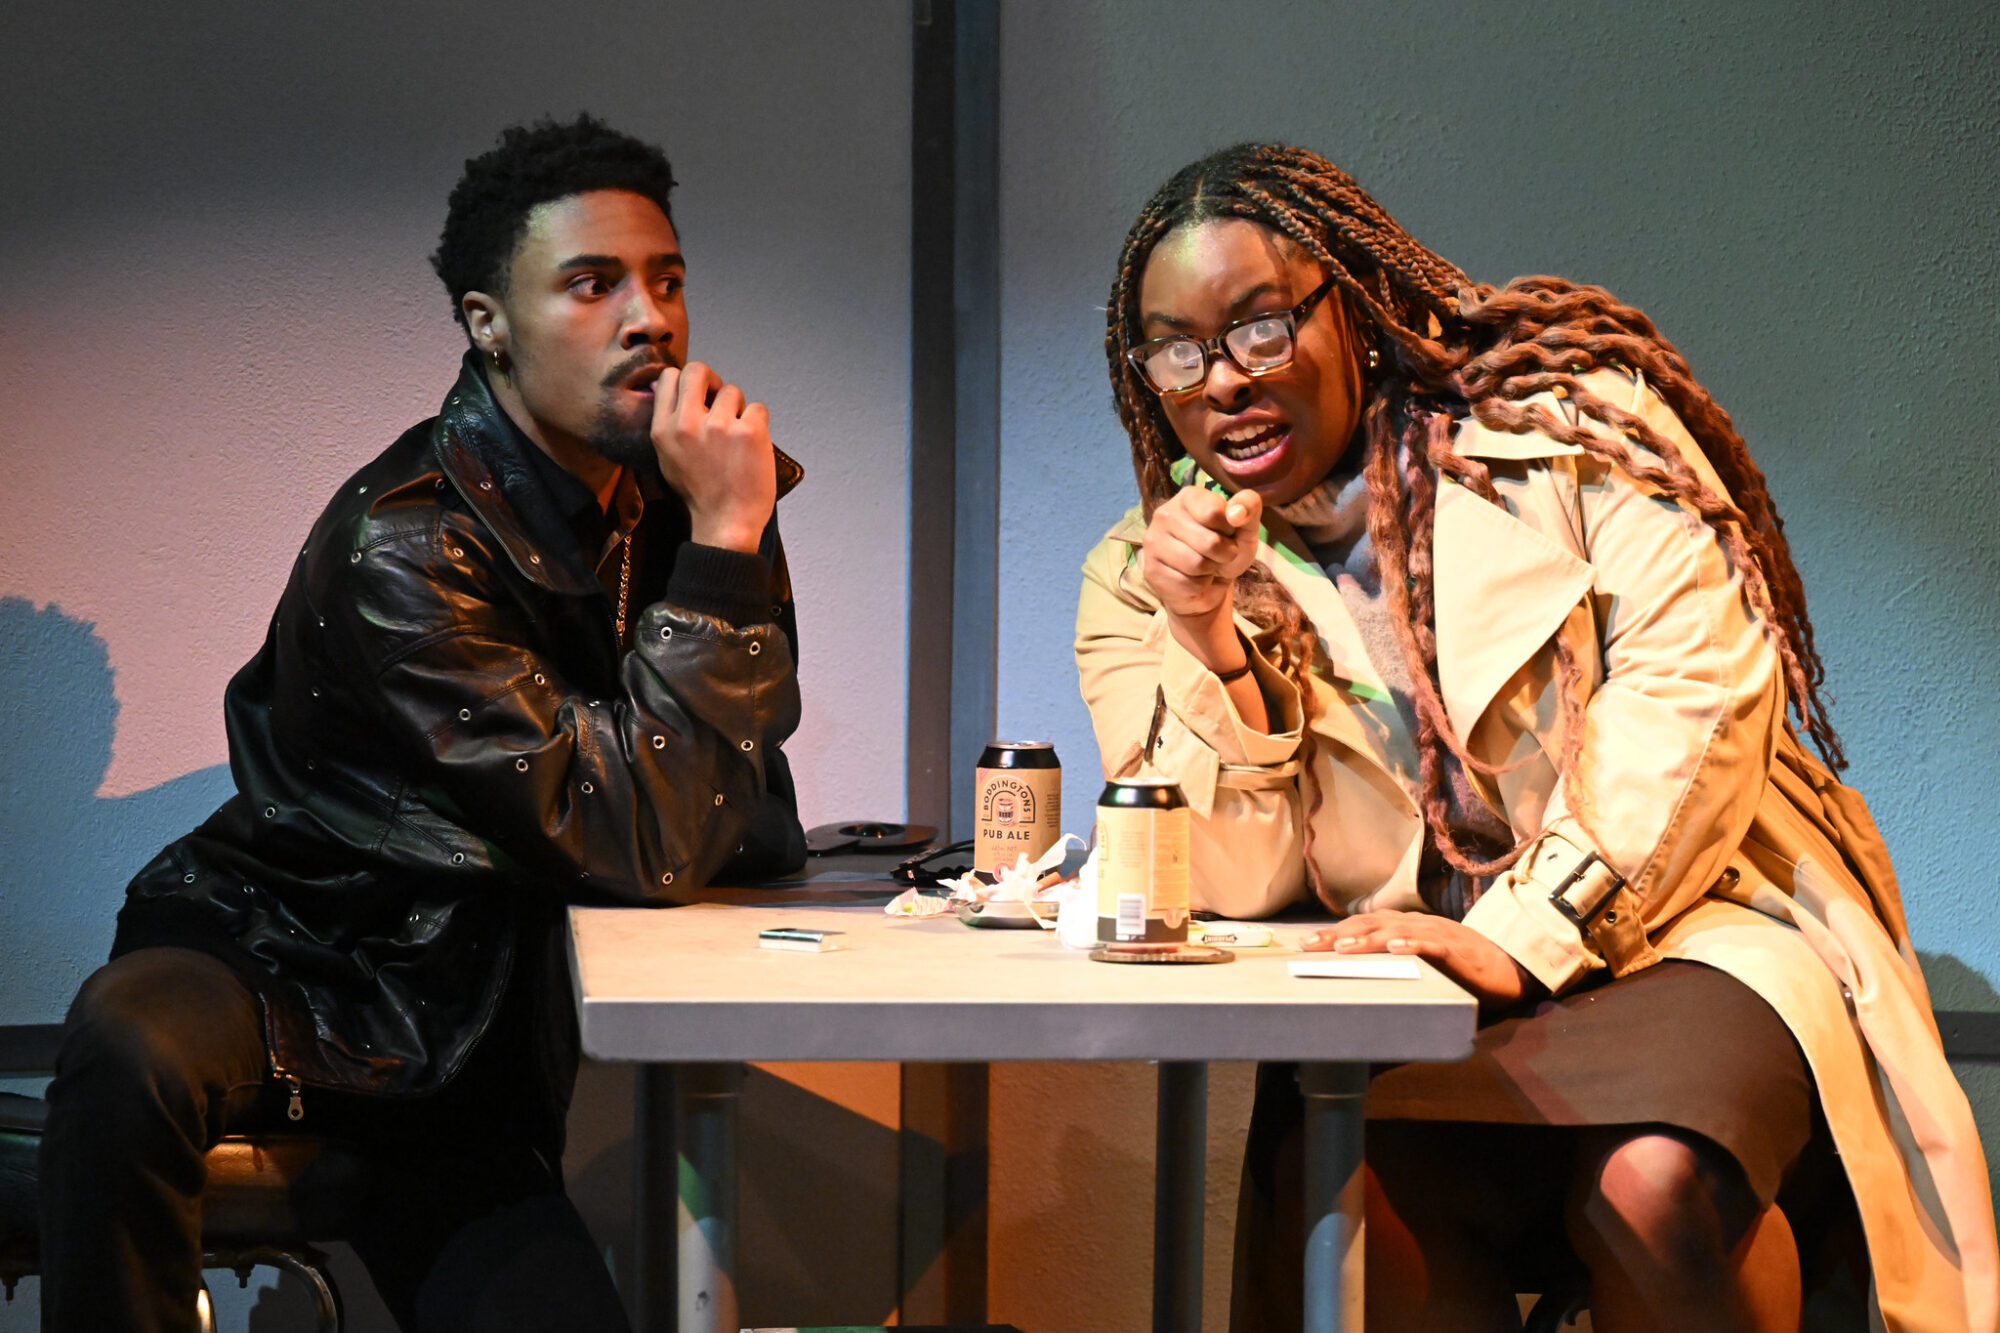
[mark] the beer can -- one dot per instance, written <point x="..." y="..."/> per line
<point x="1142" y="862"/>
<point x="1018" y="799"/>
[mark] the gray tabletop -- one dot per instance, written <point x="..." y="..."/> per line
<point x="691" y="984"/>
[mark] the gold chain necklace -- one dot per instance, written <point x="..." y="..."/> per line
<point x="624" y="584"/>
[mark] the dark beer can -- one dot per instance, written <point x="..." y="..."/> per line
<point x="1143" y="827"/>
<point x="1018" y="803"/>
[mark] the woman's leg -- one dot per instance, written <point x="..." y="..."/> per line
<point x="1446" y="1201"/>
<point x="1443" y="1200"/>
<point x="1675" y="1239"/>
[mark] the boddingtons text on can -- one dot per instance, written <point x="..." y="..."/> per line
<point x="1142" y="862"/>
<point x="1018" y="803"/>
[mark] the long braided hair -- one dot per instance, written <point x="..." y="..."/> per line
<point x="1451" y="348"/>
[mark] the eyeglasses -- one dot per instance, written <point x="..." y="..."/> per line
<point x="1257" y="345"/>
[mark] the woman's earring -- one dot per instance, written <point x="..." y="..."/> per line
<point x="1374" y="359"/>
<point x="498" y="358"/>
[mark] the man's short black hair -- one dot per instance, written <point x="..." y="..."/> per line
<point x="533" y="164"/>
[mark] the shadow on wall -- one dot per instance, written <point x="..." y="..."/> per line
<point x="1956" y="986"/>
<point x="65" y="852"/>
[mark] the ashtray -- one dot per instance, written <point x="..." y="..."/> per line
<point x="1155" y="953"/>
<point x="1000" y="914"/>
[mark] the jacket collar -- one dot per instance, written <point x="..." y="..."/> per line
<point x="480" y="453"/>
<point x="1501" y="589"/>
<point x="1502" y="586"/>
<point x="483" y="454"/>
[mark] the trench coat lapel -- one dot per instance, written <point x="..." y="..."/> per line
<point x="1502" y="588"/>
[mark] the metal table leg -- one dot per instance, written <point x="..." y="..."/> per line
<point x="709" y="1094"/>
<point x="655" y="1201"/>
<point x="1333" y="1190"/>
<point x="1180" y="1167"/>
<point x="942" y="1156"/>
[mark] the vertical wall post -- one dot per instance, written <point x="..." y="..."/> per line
<point x="975" y="589"/>
<point x="954" y="590"/>
<point x="954" y="404"/>
<point x="933" y="415"/>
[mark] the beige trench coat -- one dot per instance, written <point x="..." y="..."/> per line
<point x="1738" y="848"/>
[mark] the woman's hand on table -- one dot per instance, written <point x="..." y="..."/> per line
<point x="1455" y="949"/>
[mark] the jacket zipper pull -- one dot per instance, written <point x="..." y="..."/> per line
<point x="295" y="1108"/>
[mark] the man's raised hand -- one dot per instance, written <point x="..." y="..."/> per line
<point x="715" y="452"/>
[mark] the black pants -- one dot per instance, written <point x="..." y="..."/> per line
<point x="163" y="1053"/>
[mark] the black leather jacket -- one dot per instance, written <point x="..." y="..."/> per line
<point x="440" y="745"/>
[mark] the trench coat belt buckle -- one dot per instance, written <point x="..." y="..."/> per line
<point x="1585" y="889"/>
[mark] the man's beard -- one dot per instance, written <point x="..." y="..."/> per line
<point x="624" y="442"/>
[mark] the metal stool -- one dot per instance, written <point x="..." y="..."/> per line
<point x="268" y="1197"/>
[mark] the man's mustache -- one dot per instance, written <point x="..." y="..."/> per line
<point x="632" y="365"/>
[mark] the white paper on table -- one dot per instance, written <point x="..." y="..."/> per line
<point x="1368" y="967"/>
<point x="916" y="903"/>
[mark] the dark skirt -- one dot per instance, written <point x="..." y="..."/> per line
<point x="1675" y="1044"/>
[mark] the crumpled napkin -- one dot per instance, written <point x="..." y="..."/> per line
<point x="1076" y="919"/>
<point x="1020" y="882"/>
